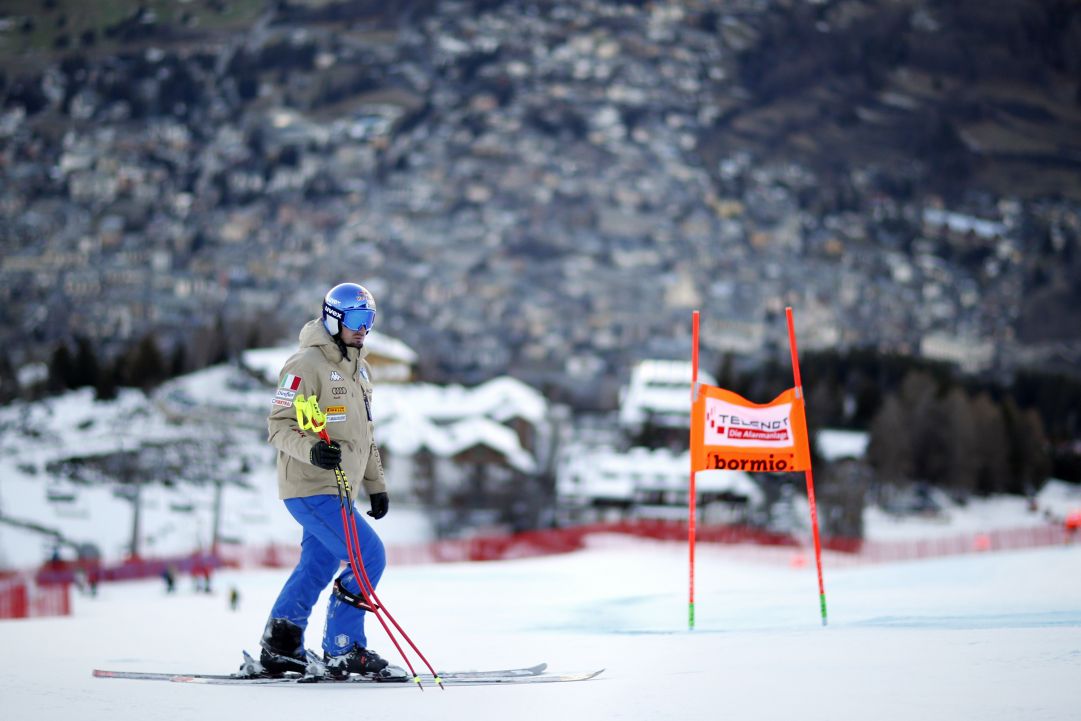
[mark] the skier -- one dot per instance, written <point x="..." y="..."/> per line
<point x="169" y="576"/>
<point x="234" y="598"/>
<point x="331" y="365"/>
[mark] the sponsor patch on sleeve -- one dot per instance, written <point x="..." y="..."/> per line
<point x="287" y="390"/>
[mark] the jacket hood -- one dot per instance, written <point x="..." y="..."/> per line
<point x="314" y="334"/>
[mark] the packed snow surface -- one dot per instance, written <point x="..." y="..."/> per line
<point x="980" y="636"/>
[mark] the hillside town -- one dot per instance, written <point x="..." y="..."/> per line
<point x="522" y="191"/>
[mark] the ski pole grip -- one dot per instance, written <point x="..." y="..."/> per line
<point x="310" y="417"/>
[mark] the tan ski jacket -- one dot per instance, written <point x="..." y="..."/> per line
<point x="344" y="389"/>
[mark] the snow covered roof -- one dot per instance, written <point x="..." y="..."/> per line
<point x="961" y="223"/>
<point x="504" y="398"/>
<point x="448" y="420"/>
<point x="834" y="444"/>
<point x="267" y="362"/>
<point x="500" y="399"/>
<point x="659" y="388"/>
<point x="385" y="346"/>
<point x="409" y="433"/>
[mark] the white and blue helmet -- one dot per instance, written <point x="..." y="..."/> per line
<point x="350" y="305"/>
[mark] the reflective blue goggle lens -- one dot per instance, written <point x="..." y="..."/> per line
<point x="354" y="319"/>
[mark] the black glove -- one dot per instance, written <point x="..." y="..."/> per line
<point x="380" y="504"/>
<point x="326" y="455"/>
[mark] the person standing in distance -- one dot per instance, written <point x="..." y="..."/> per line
<point x="330" y="364"/>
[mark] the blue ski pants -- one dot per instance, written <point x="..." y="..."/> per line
<point x="322" y="550"/>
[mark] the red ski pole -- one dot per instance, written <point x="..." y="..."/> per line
<point x="369" y="590"/>
<point x="310" y="417"/>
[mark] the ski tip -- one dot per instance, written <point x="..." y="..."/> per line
<point x="98" y="673"/>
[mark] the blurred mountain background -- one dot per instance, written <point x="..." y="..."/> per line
<point x="547" y="189"/>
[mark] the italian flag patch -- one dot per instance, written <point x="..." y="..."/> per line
<point x="290" y="382"/>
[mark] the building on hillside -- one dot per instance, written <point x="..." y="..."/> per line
<point x="971" y="354"/>
<point x="646" y="473"/>
<point x="463" y="451"/>
<point x="657" y="399"/>
<point x="605" y="483"/>
<point x="392" y="361"/>
<point x="836" y="444"/>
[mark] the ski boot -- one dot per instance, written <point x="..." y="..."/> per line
<point x="358" y="660"/>
<point x="283" y="649"/>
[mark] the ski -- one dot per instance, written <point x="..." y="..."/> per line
<point x="527" y="671"/>
<point x="528" y="675"/>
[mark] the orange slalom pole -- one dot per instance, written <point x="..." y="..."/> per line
<point x="808" y="473"/>
<point x="693" y="490"/>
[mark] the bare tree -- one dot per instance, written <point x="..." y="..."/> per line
<point x="891" y="444"/>
<point x="993" y="469"/>
<point x="964" y="445"/>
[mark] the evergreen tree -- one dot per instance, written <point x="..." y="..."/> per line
<point x="86" y="370"/>
<point x="1029" y="459"/>
<point x="825" y="404"/>
<point x="145" y="367"/>
<point x="220" y="347"/>
<point x="726" y="376"/>
<point x="209" y="346"/>
<point x="993" y="461"/>
<point x="1034" y="452"/>
<point x="107" y="385"/>
<point x="61" y="369"/>
<point x="178" y="366"/>
<point x="9" y="383"/>
<point x="9" y="386"/>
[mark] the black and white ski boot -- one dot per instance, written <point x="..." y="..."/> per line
<point x="357" y="660"/>
<point x="313" y="670"/>
<point x="283" y="652"/>
<point x="279" y="664"/>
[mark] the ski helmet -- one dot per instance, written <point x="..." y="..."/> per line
<point x="350" y="305"/>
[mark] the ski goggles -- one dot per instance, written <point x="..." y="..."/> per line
<point x="357" y="318"/>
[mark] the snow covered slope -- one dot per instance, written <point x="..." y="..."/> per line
<point x="981" y="637"/>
